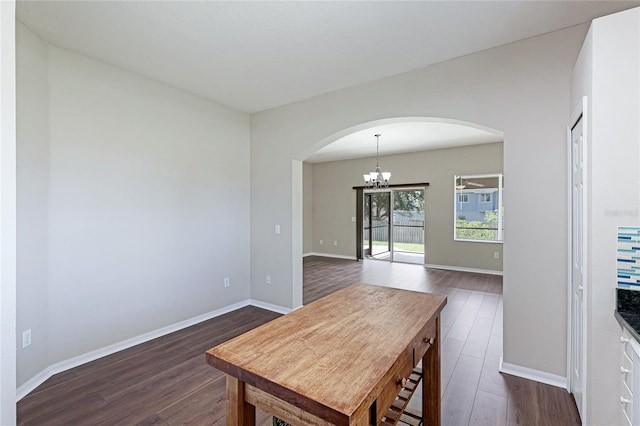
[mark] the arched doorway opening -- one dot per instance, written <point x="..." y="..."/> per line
<point x="413" y="149"/>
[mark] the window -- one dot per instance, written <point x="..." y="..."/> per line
<point x="478" y="211"/>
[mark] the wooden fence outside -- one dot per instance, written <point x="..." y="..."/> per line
<point x="403" y="232"/>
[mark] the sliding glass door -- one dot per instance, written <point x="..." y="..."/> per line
<point x="393" y="225"/>
<point x="377" y="223"/>
<point x="408" y="226"/>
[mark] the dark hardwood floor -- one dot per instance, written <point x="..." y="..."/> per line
<point x="167" y="382"/>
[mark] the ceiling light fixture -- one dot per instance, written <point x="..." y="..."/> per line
<point x="377" y="179"/>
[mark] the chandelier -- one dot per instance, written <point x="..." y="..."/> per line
<point x="377" y="179"/>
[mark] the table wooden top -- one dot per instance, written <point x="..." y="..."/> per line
<point x="332" y="353"/>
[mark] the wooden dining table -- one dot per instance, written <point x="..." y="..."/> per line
<point x="350" y="358"/>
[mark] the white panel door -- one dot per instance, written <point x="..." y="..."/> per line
<point x="577" y="264"/>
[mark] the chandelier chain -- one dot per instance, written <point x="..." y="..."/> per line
<point x="377" y="179"/>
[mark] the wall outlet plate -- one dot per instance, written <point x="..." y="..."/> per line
<point x="26" y="338"/>
<point x="227" y="282"/>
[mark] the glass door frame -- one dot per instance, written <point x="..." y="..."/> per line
<point x="369" y="211"/>
<point x="367" y="193"/>
<point x="393" y="222"/>
<point x="361" y="191"/>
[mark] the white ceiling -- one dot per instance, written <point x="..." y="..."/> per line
<point x="257" y="55"/>
<point x="407" y="136"/>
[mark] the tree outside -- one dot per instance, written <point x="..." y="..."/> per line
<point x="409" y="201"/>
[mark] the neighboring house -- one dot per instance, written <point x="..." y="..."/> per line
<point x="471" y="204"/>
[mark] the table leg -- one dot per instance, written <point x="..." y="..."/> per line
<point x="431" y="382"/>
<point x="239" y="412"/>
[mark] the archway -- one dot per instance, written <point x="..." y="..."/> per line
<point x="300" y="205"/>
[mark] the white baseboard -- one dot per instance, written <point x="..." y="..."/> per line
<point x="59" y="367"/>
<point x="336" y="256"/>
<point x="36" y="381"/>
<point x="463" y="269"/>
<point x="535" y="375"/>
<point x="270" y="307"/>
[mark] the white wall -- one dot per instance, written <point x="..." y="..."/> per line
<point x="32" y="204"/>
<point x="334" y="201"/>
<point x="522" y="89"/>
<point x="608" y="73"/>
<point x="307" y="220"/>
<point x="147" y="205"/>
<point x="7" y="213"/>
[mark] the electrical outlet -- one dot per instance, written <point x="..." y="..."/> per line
<point x="277" y="229"/>
<point x="335" y="243"/>
<point x="227" y="282"/>
<point x="496" y="255"/>
<point x="321" y="242"/>
<point x="268" y="279"/>
<point x="26" y="338"/>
